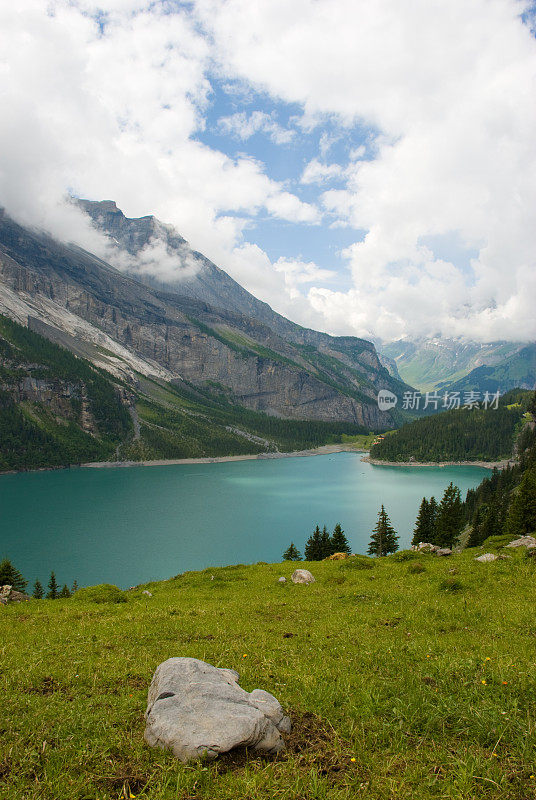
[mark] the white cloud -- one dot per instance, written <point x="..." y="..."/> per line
<point x="244" y="126"/>
<point x="443" y="93"/>
<point x="114" y="114"/>
<point x="450" y="90"/>
<point x="317" y="172"/>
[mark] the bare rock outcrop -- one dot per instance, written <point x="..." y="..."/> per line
<point x="199" y="711"/>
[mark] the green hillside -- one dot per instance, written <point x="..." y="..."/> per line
<point x="518" y="370"/>
<point x="58" y="409"/>
<point x="399" y="676"/>
<point x="458" y="435"/>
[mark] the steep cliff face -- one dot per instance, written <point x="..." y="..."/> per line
<point x="198" y="278"/>
<point x="129" y="326"/>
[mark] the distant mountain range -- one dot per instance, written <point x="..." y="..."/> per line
<point x="202" y="337"/>
<point x="456" y="365"/>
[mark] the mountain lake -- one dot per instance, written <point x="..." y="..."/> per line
<point x="130" y="525"/>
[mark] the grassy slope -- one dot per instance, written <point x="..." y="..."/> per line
<point x="431" y="691"/>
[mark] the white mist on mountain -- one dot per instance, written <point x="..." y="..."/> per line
<point x="155" y="259"/>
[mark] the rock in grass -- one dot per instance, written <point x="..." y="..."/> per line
<point x="425" y="547"/>
<point x="199" y="711"/>
<point x="9" y="595"/>
<point x="443" y="551"/>
<point x="337" y="557"/>
<point x="486" y="558"/>
<point x="302" y="576"/>
<point x="282" y="579"/>
<point x="524" y="541"/>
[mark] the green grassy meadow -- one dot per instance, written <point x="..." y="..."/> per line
<point x="405" y="677"/>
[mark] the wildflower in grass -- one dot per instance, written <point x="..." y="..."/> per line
<point x="487" y="658"/>
<point x="484" y="682"/>
<point x="245" y="655"/>
<point x="505" y="683"/>
<point x="352" y="759"/>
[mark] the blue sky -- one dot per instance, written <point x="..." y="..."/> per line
<point x="366" y="169"/>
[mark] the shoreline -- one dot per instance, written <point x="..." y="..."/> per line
<point x="323" y="450"/>
<point x="507" y="462"/>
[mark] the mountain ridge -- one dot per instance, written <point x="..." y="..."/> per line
<point x="132" y="327"/>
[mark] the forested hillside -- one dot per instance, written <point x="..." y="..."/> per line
<point x="462" y="434"/>
<point x="503" y="506"/>
<point x="505" y="503"/>
<point x="55" y="408"/>
<point x="58" y="409"/>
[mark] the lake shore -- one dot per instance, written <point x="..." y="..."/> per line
<point x="327" y="449"/>
<point x="483" y="464"/>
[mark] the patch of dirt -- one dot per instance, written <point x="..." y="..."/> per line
<point x="312" y="742"/>
<point x="48" y="685"/>
<point x="124" y="778"/>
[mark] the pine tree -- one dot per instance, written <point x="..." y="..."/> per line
<point x="450" y="517"/>
<point x="339" y="542"/>
<point x="384" y="539"/>
<point x="52" y="593"/>
<point x="422" y="524"/>
<point x="38" y="591"/>
<point x="425" y="524"/>
<point x="325" y="546"/>
<point x="65" y="592"/>
<point x="291" y="554"/>
<point x="522" y="512"/>
<point x="74" y="587"/>
<point x="11" y="576"/>
<point x="313" y="547"/>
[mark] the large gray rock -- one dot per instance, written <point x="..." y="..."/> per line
<point x="302" y="576"/>
<point x="199" y="711"/>
<point x="524" y="541"/>
<point x="443" y="551"/>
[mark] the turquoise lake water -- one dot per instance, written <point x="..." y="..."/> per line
<point x="130" y="525"/>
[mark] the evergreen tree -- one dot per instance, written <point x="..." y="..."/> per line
<point x="52" y="593"/>
<point x="291" y="554"/>
<point x="38" y="591"/>
<point x="339" y="542"/>
<point x="522" y="512"/>
<point x="74" y="587"/>
<point x="450" y="517"/>
<point x="313" y="547"/>
<point x="326" y="546"/>
<point x="384" y="539"/>
<point x="425" y="524"/>
<point x="433" y="509"/>
<point x="65" y="592"/>
<point x="422" y="523"/>
<point x="11" y="576"/>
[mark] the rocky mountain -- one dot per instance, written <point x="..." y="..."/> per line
<point x="257" y="360"/>
<point x="438" y="364"/>
<point x="517" y="370"/>
<point x="58" y="409"/>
